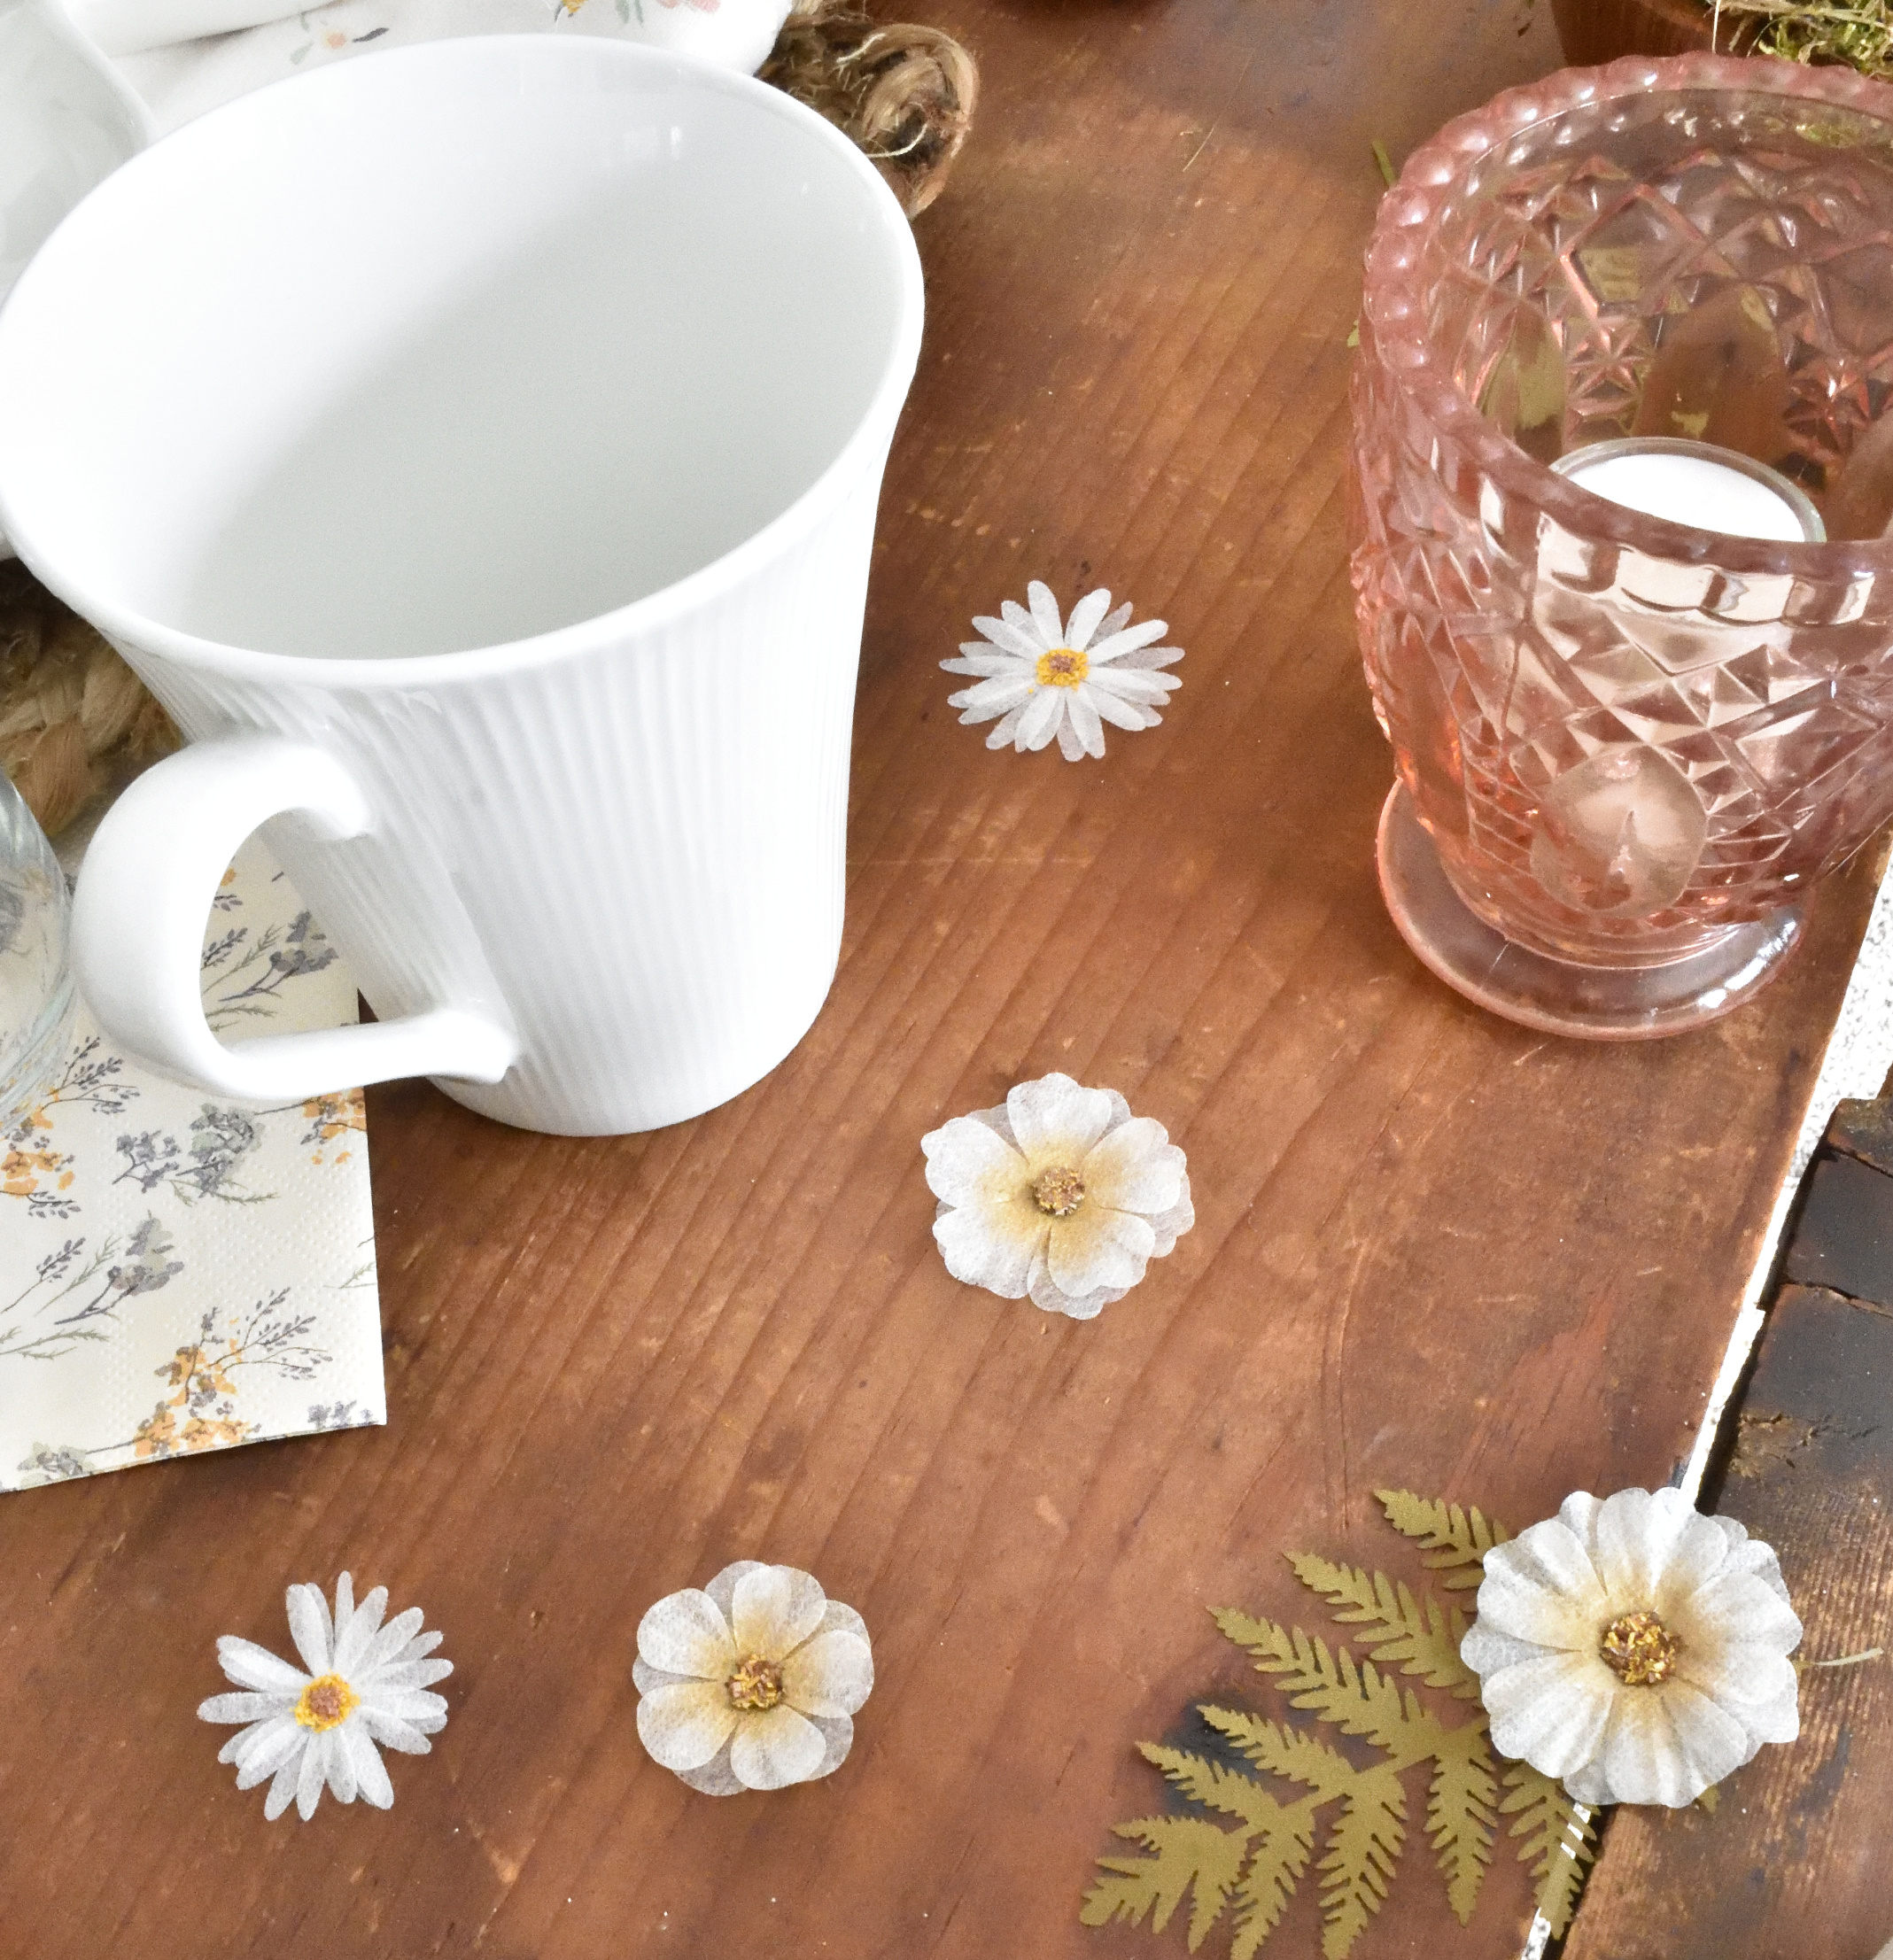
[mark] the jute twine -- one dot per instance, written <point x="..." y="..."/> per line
<point x="905" y="93"/>
<point x="73" y="717"/>
<point x="71" y="711"/>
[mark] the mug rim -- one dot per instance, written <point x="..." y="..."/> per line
<point x="652" y="610"/>
<point x="1394" y="335"/>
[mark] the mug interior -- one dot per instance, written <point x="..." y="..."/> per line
<point x="446" y="348"/>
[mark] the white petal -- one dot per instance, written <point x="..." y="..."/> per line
<point x="309" y="1628"/>
<point x="1084" y="619"/>
<point x="1005" y="732"/>
<point x="1016" y="641"/>
<point x="1735" y="1609"/>
<point x="1134" y="1168"/>
<point x="1486" y="1650"/>
<point x="414" y="1705"/>
<point x="238" y="1745"/>
<point x="1085" y="1306"/>
<point x="684" y="1726"/>
<point x="313" y="1774"/>
<point x="1551" y="1711"/>
<point x="1171" y="1225"/>
<point x="1115" y="646"/>
<point x="774" y="1610"/>
<point x="771" y="1751"/>
<point x="353" y="1642"/>
<point x="344" y="1611"/>
<point x="1640" y="1534"/>
<point x="1098" y="1248"/>
<point x="1542" y="1587"/>
<point x="838" y="1738"/>
<point x="1131" y="683"/>
<point x="406" y="1674"/>
<point x="968" y="1163"/>
<point x="242" y="1707"/>
<point x="976" y="657"/>
<point x="1039" y="719"/>
<point x="993" y="1245"/>
<point x="722" y="1589"/>
<point x="1119" y="713"/>
<point x="283" y="1789"/>
<point x="1747" y="1555"/>
<point x="1071" y="743"/>
<point x="393" y="1732"/>
<point x="1044" y="617"/>
<point x="988" y="698"/>
<point x="831" y="1674"/>
<point x="1055" y="1120"/>
<point x="1666" y="1745"/>
<point x="1756" y="1685"/>
<point x="686" y="1634"/>
<point x="341" y="1759"/>
<point x="251" y="1666"/>
<point x="272" y="1745"/>
<point x="387" y="1644"/>
<point x="371" y="1773"/>
<point x="1082" y="715"/>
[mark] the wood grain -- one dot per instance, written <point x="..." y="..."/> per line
<point x="1433" y="1249"/>
<point x="1595" y="31"/>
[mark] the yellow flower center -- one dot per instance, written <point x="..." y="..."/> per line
<point x="1639" y="1650"/>
<point x="1059" y="1191"/>
<point x="1062" y="667"/>
<point x="327" y="1703"/>
<point x="757" y="1684"/>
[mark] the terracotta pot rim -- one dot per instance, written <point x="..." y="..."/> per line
<point x="1393" y="331"/>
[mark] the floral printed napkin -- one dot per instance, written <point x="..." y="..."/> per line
<point x="178" y="1275"/>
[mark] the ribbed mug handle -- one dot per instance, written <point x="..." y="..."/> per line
<point x="145" y="891"/>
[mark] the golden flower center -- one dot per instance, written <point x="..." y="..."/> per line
<point x="1057" y="1191"/>
<point x="1640" y="1649"/>
<point x="1062" y="667"/>
<point x="327" y="1703"/>
<point x="757" y="1684"/>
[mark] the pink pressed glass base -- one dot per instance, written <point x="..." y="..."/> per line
<point x="1627" y="748"/>
<point x="1611" y="1004"/>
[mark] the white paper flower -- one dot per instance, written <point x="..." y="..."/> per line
<point x="1042" y="677"/>
<point x="1634" y="1648"/>
<point x="1060" y="1193"/>
<point x="751" y="1683"/>
<point x="366" y="1683"/>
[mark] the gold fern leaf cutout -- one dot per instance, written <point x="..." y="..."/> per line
<point x="1247" y="1869"/>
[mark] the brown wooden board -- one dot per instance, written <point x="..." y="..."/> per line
<point x="1433" y="1249"/>
<point x="1793" y="1864"/>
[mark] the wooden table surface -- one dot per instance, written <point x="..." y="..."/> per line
<point x="1432" y="1250"/>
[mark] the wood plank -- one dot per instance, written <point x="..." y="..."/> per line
<point x="1433" y="1249"/>
<point x="1793" y="1860"/>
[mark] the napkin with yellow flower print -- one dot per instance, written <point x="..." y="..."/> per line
<point x="179" y="1275"/>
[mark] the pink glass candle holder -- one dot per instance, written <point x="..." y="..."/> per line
<point x="1627" y="748"/>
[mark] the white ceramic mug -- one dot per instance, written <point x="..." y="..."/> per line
<point x="476" y="450"/>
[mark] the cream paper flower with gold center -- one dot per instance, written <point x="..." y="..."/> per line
<point x="1061" y="1195"/>
<point x="1634" y="1648"/>
<point x="751" y="1682"/>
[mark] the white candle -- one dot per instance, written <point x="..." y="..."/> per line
<point x="1696" y="483"/>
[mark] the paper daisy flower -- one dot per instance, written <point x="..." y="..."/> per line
<point x="751" y="1682"/>
<point x="1061" y="1194"/>
<point x="1635" y="1649"/>
<point x="1043" y="678"/>
<point x="366" y="1683"/>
